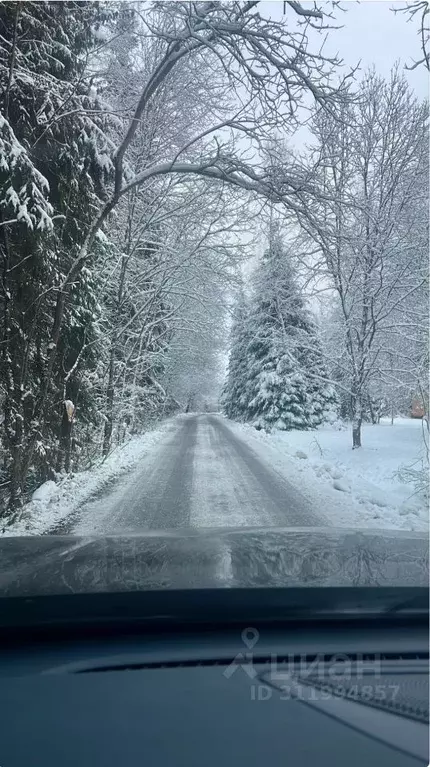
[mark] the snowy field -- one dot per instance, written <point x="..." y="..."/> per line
<point x="353" y="488"/>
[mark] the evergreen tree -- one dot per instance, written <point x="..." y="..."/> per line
<point x="286" y="380"/>
<point x="322" y="399"/>
<point x="234" y="396"/>
<point x="54" y="164"/>
<point x="277" y="393"/>
<point x="278" y="386"/>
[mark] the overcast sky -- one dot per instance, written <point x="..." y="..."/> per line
<point x="371" y="33"/>
<point x="374" y="34"/>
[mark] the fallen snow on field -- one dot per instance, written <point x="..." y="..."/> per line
<point x="51" y="502"/>
<point x="359" y="488"/>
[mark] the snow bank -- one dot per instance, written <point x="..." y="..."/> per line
<point x="51" y="503"/>
<point x="351" y="488"/>
<point x="45" y="492"/>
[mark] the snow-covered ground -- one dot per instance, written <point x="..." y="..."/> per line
<point x="340" y="486"/>
<point x="51" y="503"/>
<point x="353" y="488"/>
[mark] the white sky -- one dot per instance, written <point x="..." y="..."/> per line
<point x="373" y="34"/>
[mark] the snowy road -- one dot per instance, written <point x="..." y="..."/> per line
<point x="199" y="475"/>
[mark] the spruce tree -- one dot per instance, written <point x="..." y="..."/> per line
<point x="277" y="394"/>
<point x="287" y="380"/>
<point x="234" y="397"/>
<point x="54" y="164"/>
<point x="322" y="399"/>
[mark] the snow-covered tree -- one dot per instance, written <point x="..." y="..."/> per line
<point x="71" y="154"/>
<point x="277" y="386"/>
<point x="187" y="43"/>
<point x="322" y="398"/>
<point x="234" y="397"/>
<point x="54" y="161"/>
<point x="280" y="381"/>
<point x="420" y="10"/>
<point x="193" y="373"/>
<point x="367" y="217"/>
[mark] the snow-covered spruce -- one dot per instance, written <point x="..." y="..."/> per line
<point x="277" y="377"/>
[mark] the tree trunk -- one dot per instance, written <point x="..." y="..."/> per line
<point x="16" y="476"/>
<point x="64" y="452"/>
<point x="190" y="402"/>
<point x="134" y="400"/>
<point x="110" y="393"/>
<point x="41" y="405"/>
<point x="373" y="416"/>
<point x="379" y="411"/>
<point x="356" y="433"/>
<point x="356" y="420"/>
<point x="68" y="457"/>
<point x="107" y="436"/>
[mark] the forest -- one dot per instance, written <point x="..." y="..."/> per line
<point x="166" y="244"/>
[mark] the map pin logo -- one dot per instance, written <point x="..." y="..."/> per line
<point x="250" y="637"/>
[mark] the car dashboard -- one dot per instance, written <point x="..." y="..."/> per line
<point x="294" y="692"/>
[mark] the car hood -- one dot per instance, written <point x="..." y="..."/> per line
<point x="204" y="558"/>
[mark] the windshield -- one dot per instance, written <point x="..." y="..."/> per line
<point x="213" y="295"/>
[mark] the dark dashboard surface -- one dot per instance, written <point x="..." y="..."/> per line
<point x="211" y="696"/>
